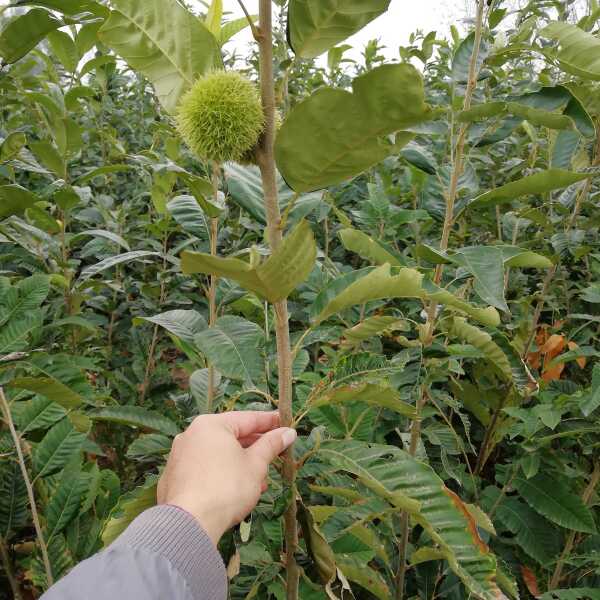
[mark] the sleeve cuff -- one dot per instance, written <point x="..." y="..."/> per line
<point x="174" y="534"/>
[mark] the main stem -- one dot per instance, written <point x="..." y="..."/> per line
<point x="212" y="293"/>
<point x="5" y="409"/>
<point x="266" y="162"/>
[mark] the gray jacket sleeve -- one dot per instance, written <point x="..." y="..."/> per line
<point x="164" y="553"/>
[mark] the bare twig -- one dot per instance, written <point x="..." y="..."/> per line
<point x="5" y="408"/>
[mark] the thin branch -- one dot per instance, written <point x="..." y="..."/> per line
<point x="5" y="408"/>
<point x="586" y="497"/>
<point x="255" y="31"/>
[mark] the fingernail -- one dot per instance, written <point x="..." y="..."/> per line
<point x="289" y="437"/>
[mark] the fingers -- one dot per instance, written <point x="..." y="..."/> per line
<point x="247" y="441"/>
<point x="272" y="444"/>
<point x="246" y="423"/>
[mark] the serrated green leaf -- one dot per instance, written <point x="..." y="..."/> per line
<point x="366" y="247"/>
<point x="373" y="326"/>
<point x="578" y="50"/>
<point x="380" y="284"/>
<point x="540" y="183"/>
<point x="65" y="501"/>
<point x="275" y="278"/>
<point x="50" y="388"/>
<point x="369" y="393"/>
<point x="552" y="497"/>
<point x="12" y="145"/>
<point x="315" y="26"/>
<point x="128" y="508"/>
<point x="234" y="347"/>
<point x="25" y="32"/>
<point x="352" y="128"/>
<point x="14" y="200"/>
<point x="188" y="214"/>
<point x="171" y="52"/>
<point x="533" y="533"/>
<point x="136" y="416"/>
<point x="184" y="324"/>
<point x="148" y="445"/>
<point x="14" y="503"/>
<point x="56" y="448"/>
<point x="413" y="486"/>
<point x="113" y="261"/>
<point x="199" y="388"/>
<point x="39" y="413"/>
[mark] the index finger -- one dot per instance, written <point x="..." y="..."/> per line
<point x="246" y="423"/>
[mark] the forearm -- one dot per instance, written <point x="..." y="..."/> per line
<point x="163" y="554"/>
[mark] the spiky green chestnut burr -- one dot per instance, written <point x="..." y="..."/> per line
<point x="221" y="117"/>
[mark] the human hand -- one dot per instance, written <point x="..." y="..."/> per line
<point x="217" y="469"/>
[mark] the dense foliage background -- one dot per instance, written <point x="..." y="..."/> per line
<point x="445" y="342"/>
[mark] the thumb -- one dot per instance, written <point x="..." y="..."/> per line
<point x="272" y="444"/>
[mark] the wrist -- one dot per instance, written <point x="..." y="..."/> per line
<point x="209" y="519"/>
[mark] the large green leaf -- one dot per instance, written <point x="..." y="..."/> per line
<point x="188" y="214"/>
<point x="275" y="278"/>
<point x="14" y="200"/>
<point x="373" y="326"/>
<point x="199" y="388"/>
<point x="366" y="247"/>
<point x="15" y="335"/>
<point x="68" y="7"/>
<point x="65" y="500"/>
<point x="51" y="388"/>
<point x="315" y="26"/>
<point x="540" y="183"/>
<point x="113" y="261"/>
<point x="370" y="393"/>
<point x="38" y="413"/>
<point x="486" y="264"/>
<point x="380" y="284"/>
<point x="25" y="32"/>
<point x="578" y="50"/>
<point x="184" y="324"/>
<point x="501" y="355"/>
<point x="552" y="497"/>
<point x="244" y="184"/>
<point x="11" y="145"/>
<point x="352" y="128"/>
<point x="14" y="504"/>
<point x="128" y="508"/>
<point x="136" y="416"/>
<point x="23" y="298"/>
<point x="163" y="41"/>
<point x="414" y="486"/>
<point x="56" y="448"/>
<point x="534" y="534"/>
<point x="234" y="347"/>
